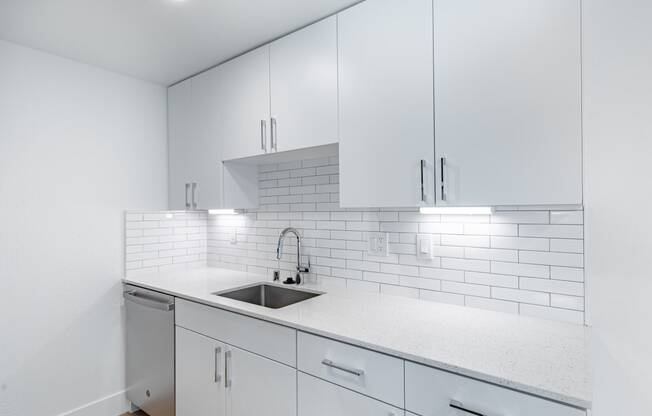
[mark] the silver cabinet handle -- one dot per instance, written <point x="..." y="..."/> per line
<point x="194" y="192"/>
<point x="187" y="189"/>
<point x="443" y="183"/>
<point x="134" y="297"/>
<point x="263" y="135"/>
<point x="423" y="189"/>
<point x="218" y="376"/>
<point x="274" y="134"/>
<point x="460" y="406"/>
<point x="227" y="369"/>
<point x="350" y="370"/>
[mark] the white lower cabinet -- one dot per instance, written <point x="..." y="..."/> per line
<point x="368" y="372"/>
<point x="432" y="392"/>
<point x="321" y="398"/>
<point x="199" y="375"/>
<point x="259" y="386"/>
<point x="330" y="378"/>
<point x="218" y="379"/>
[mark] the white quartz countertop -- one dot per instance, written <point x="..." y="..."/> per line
<point x="545" y="358"/>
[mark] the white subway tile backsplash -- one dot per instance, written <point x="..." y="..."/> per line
<point x="566" y="217"/>
<point x="521" y="243"/>
<point x="567" y="273"/>
<point x="556" y="314"/>
<point x="466" y="240"/>
<point x="489" y="279"/>
<point x="491" y="254"/>
<point x="551" y="231"/>
<point x="552" y="286"/>
<point x="464" y="264"/>
<point x="567" y="245"/>
<point x="466" y="289"/>
<point x="521" y="217"/>
<point x="521" y="296"/>
<point x="553" y="259"/>
<point x="524" y="260"/>
<point x="567" y="302"/>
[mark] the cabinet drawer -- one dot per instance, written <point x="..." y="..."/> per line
<point x="429" y="392"/>
<point x="321" y="398"/>
<point x="264" y="338"/>
<point x="371" y="373"/>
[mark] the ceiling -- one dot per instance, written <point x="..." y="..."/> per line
<point x="162" y="41"/>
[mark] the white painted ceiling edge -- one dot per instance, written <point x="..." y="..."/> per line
<point x="161" y="41"/>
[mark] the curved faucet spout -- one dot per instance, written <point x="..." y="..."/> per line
<point x="279" y="248"/>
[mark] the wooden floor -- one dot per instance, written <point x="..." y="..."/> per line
<point x="138" y="413"/>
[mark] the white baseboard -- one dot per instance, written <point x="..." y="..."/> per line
<point x="112" y="405"/>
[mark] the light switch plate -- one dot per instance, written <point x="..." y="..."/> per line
<point x="233" y="237"/>
<point x="424" y="246"/>
<point x="378" y="244"/>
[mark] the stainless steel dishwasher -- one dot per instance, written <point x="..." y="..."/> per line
<point x="150" y="350"/>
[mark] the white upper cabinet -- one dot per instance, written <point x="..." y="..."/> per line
<point x="180" y="122"/>
<point x="243" y="105"/>
<point x="303" y="70"/>
<point x="385" y="62"/>
<point x="195" y="171"/>
<point x="508" y="102"/>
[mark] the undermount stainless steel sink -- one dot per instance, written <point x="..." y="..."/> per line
<point x="270" y="296"/>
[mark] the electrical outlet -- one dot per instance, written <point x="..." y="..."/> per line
<point x="424" y="246"/>
<point x="378" y="244"/>
<point x="233" y="238"/>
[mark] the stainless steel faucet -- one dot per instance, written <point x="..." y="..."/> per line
<point x="279" y="252"/>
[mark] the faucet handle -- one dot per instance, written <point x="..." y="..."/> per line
<point x="304" y="269"/>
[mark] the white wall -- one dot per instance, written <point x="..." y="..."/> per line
<point x="618" y="158"/>
<point x="78" y="145"/>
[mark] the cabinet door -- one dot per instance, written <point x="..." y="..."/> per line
<point x="507" y="100"/>
<point x="205" y="165"/>
<point x="320" y="398"/>
<point x="385" y="54"/>
<point x="259" y="386"/>
<point x="243" y="104"/>
<point x="199" y="375"/>
<point x="193" y="145"/>
<point x="303" y="71"/>
<point x="180" y="132"/>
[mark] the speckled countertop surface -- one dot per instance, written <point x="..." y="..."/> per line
<point x="544" y="358"/>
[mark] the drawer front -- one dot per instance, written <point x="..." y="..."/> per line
<point x="429" y="392"/>
<point x="321" y="398"/>
<point x="270" y="340"/>
<point x="370" y="373"/>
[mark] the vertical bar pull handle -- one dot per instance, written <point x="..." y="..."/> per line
<point x="443" y="181"/>
<point x="423" y="190"/>
<point x="227" y="369"/>
<point x="218" y="376"/>
<point x="263" y="135"/>
<point x="187" y="202"/>
<point x="274" y="134"/>
<point x="194" y="195"/>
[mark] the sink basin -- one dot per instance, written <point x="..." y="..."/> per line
<point x="270" y="296"/>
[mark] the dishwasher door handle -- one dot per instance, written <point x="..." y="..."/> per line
<point x="132" y="296"/>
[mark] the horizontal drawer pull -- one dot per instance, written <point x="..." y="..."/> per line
<point x="354" y="371"/>
<point x="460" y="406"/>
